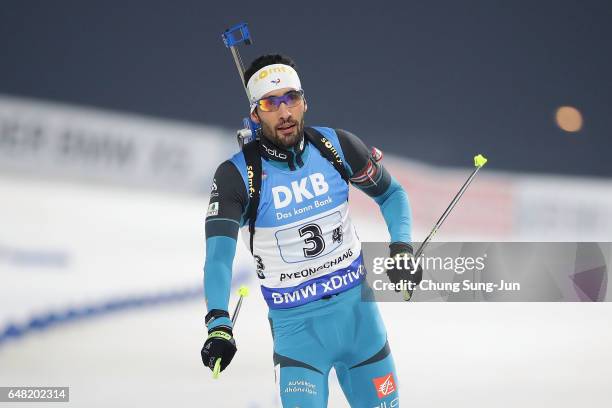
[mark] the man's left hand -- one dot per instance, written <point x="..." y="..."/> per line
<point x="404" y="271"/>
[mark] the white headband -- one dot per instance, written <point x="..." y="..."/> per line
<point x="271" y="78"/>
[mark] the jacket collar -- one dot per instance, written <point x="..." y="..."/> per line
<point x="291" y="156"/>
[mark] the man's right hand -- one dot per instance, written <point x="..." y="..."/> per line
<point x="219" y="344"/>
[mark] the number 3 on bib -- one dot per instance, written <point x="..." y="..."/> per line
<point x="310" y="240"/>
<point x="314" y="240"/>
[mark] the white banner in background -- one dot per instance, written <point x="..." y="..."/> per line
<point x="563" y="208"/>
<point x="49" y="139"/>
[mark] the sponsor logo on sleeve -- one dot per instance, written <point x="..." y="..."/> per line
<point x="213" y="209"/>
<point x="213" y="189"/>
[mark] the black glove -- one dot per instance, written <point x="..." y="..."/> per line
<point x="219" y="344"/>
<point x="405" y="270"/>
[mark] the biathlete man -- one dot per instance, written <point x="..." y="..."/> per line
<point x="306" y="250"/>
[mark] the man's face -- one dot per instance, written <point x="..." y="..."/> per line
<point x="283" y="127"/>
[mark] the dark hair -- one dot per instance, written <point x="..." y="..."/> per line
<point x="266" y="60"/>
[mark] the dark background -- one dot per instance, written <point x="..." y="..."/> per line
<point x="437" y="81"/>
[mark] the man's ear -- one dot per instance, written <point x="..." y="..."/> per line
<point x="305" y="105"/>
<point x="255" y="117"/>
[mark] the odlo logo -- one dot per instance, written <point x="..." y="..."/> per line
<point x="274" y="152"/>
<point x="283" y="195"/>
<point x="384" y="385"/>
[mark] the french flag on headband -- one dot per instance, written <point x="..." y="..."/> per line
<point x="314" y="289"/>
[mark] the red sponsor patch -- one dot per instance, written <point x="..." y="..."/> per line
<point x="384" y="385"/>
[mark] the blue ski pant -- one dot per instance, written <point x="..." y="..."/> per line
<point x="342" y="332"/>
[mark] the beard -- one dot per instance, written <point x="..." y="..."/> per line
<point x="286" y="141"/>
